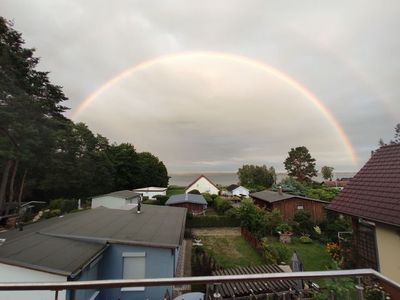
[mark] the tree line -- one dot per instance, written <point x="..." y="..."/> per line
<point x="43" y="154"/>
<point x="300" y="167"/>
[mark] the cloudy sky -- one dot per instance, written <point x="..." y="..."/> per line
<point x="213" y="85"/>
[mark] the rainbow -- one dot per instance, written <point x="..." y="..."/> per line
<point x="236" y="59"/>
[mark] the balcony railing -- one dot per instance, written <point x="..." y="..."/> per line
<point x="359" y="274"/>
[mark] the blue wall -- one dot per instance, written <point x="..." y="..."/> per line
<point x="159" y="263"/>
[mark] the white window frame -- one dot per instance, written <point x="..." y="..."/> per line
<point x="299" y="207"/>
<point x="132" y="288"/>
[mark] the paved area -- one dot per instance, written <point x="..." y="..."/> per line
<point x="223" y="231"/>
<point x="183" y="268"/>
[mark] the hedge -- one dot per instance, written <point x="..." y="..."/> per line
<point x="212" y="221"/>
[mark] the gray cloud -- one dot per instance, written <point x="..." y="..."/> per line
<point x="346" y="52"/>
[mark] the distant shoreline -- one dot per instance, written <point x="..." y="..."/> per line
<point x="227" y="178"/>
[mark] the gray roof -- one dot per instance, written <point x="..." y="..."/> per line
<point x="186" y="198"/>
<point x="239" y="289"/>
<point x="64" y="245"/>
<point x="124" y="194"/>
<point x="270" y="196"/>
<point x="232" y="187"/>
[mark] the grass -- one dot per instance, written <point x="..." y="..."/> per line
<point x="175" y="190"/>
<point x="211" y="212"/>
<point x="313" y="256"/>
<point x="231" y="251"/>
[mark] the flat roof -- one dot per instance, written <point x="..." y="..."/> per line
<point x="186" y="198"/>
<point x="124" y="194"/>
<point x="63" y="245"/>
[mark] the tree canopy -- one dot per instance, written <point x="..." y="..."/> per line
<point x="256" y="177"/>
<point x="327" y="172"/>
<point x="300" y="164"/>
<point x="44" y="155"/>
<point x="396" y="137"/>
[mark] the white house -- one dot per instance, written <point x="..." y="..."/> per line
<point x="238" y="190"/>
<point x="124" y="199"/>
<point x="151" y="191"/>
<point x="203" y="185"/>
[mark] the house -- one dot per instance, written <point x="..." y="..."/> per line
<point x="338" y="183"/>
<point x="289" y="204"/>
<point x="251" y="290"/>
<point x="151" y="191"/>
<point x="237" y="190"/>
<point x="203" y="185"/>
<point x="195" y="204"/>
<point x="118" y="200"/>
<point x="372" y="200"/>
<point x="96" y="244"/>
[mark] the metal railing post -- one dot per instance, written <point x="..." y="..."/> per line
<point x="360" y="289"/>
<point x="216" y="294"/>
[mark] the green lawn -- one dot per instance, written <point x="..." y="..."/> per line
<point x="313" y="256"/>
<point x="231" y="251"/>
<point x="211" y="212"/>
<point x="175" y="190"/>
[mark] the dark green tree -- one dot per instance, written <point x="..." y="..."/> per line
<point x="256" y="177"/>
<point x="29" y="113"/>
<point x="152" y="171"/>
<point x="327" y="172"/>
<point x="300" y="164"/>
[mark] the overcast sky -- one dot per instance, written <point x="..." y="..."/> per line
<point x="202" y="112"/>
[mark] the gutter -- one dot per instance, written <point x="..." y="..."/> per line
<point x="79" y="271"/>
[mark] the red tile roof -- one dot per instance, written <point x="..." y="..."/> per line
<point x="374" y="192"/>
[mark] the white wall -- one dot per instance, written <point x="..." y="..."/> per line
<point x="112" y="202"/>
<point x="240" y="191"/>
<point x="9" y="273"/>
<point x="152" y="194"/>
<point x="203" y="186"/>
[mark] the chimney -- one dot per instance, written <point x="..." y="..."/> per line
<point x="139" y="206"/>
<point x="280" y="190"/>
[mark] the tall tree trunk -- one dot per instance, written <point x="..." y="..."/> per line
<point x="21" y="191"/>
<point x="3" y="186"/>
<point x="11" y="192"/>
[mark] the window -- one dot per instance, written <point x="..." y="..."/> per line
<point x="134" y="267"/>
<point x="300" y="207"/>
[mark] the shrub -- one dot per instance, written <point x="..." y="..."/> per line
<point x="208" y="198"/>
<point x="304" y="224"/>
<point x="233" y="213"/>
<point x="221" y="205"/>
<point x="283" y="227"/>
<point x="161" y="199"/>
<point x="304" y="239"/>
<point x="276" y="253"/>
<point x="196" y="192"/>
<point x="64" y="205"/>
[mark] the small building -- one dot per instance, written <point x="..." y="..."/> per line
<point x="289" y="204"/>
<point x="372" y="200"/>
<point x="338" y="183"/>
<point x="237" y="190"/>
<point x="195" y="204"/>
<point x="203" y="185"/>
<point x="252" y="289"/>
<point x="151" y="191"/>
<point x="117" y="200"/>
<point x="96" y="244"/>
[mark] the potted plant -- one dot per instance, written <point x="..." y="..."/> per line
<point x="285" y="233"/>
